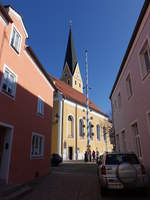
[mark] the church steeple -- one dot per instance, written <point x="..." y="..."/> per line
<point x="71" y="72"/>
<point x="70" y="57"/>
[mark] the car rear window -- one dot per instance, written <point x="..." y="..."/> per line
<point x="115" y="159"/>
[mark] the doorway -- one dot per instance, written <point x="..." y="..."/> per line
<point x="5" y="151"/>
<point x="70" y="153"/>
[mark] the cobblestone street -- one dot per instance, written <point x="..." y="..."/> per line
<point x="74" y="181"/>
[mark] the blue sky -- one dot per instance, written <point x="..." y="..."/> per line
<point x="104" y="27"/>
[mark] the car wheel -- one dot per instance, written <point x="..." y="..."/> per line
<point x="126" y="173"/>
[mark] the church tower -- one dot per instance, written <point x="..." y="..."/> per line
<point x="71" y="71"/>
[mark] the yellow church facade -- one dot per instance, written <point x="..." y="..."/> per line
<point x="69" y="124"/>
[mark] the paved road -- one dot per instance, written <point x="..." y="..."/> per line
<point x="75" y="181"/>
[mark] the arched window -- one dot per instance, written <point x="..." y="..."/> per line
<point x="104" y="133"/>
<point x="81" y="128"/>
<point x="68" y="81"/>
<point x="98" y="132"/>
<point x="70" y="126"/>
<point x="91" y="131"/>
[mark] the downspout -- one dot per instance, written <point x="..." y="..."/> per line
<point x="62" y="145"/>
<point x="76" y="132"/>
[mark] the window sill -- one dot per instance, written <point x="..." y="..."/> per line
<point x="146" y="75"/>
<point x="8" y="95"/>
<point x="40" y="115"/>
<point x="16" y="51"/>
<point x="81" y="138"/>
<point x="129" y="97"/>
<point x="70" y="137"/>
<point x="37" y="157"/>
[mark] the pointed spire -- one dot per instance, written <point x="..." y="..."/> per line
<point x="70" y="57"/>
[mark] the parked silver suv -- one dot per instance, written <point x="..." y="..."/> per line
<point x="121" y="170"/>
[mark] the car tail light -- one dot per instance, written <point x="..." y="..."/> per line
<point x="143" y="169"/>
<point x="103" y="170"/>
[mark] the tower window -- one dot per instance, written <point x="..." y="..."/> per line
<point x="79" y="84"/>
<point x="65" y="74"/>
<point x="68" y="81"/>
<point x="75" y="82"/>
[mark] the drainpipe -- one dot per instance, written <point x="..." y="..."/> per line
<point x="76" y="131"/>
<point x="59" y="123"/>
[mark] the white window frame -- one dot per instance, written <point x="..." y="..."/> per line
<point x="11" y="35"/>
<point x="41" y="155"/>
<point x="145" y="47"/>
<point x="15" y="82"/>
<point x="40" y="107"/>
<point x="137" y="140"/>
<point x="129" y="87"/>
<point x="70" y="135"/>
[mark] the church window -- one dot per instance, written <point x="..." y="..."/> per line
<point x="79" y="84"/>
<point x="81" y="128"/>
<point x="68" y="81"/>
<point x="65" y="74"/>
<point x="91" y="131"/>
<point x="98" y="132"/>
<point x="70" y="126"/>
<point x="104" y="133"/>
<point x="75" y="82"/>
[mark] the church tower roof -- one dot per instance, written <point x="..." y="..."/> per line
<point x="70" y="57"/>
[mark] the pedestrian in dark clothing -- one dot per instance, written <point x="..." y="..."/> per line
<point x="90" y="156"/>
<point x="93" y="155"/>
<point x="86" y="156"/>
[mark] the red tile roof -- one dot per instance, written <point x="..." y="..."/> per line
<point x="71" y="94"/>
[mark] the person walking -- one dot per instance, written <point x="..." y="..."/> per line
<point x="93" y="155"/>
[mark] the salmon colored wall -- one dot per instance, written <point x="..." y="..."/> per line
<point x="22" y="112"/>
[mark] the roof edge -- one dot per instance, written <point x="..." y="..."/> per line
<point x="99" y="112"/>
<point x="17" y="14"/>
<point x="4" y="12"/>
<point x="136" y="29"/>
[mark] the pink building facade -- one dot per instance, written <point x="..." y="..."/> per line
<point x="130" y="96"/>
<point x="26" y="101"/>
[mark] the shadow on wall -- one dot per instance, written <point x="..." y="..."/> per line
<point x="21" y="113"/>
<point x="4" y="39"/>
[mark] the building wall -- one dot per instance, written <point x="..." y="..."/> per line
<point x="137" y="107"/>
<point x="21" y="112"/>
<point x="76" y="142"/>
